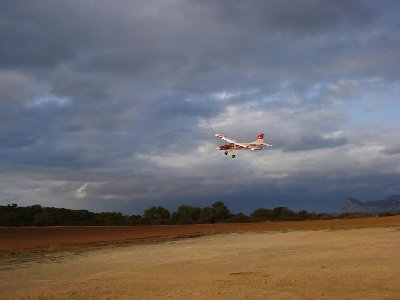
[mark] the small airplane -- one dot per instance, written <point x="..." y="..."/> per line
<point x="234" y="145"/>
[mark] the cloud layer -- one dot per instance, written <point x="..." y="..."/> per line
<point x="113" y="105"/>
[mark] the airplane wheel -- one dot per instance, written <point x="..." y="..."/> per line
<point x="226" y="152"/>
<point x="233" y="155"/>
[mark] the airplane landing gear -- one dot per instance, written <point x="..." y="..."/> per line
<point x="226" y="152"/>
<point x="233" y="155"/>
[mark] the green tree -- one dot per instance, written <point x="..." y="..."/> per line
<point x="222" y="212"/>
<point x="43" y="219"/>
<point x="135" y="220"/>
<point x="207" y="215"/>
<point x="157" y="215"/>
<point x="186" y="214"/>
<point x="238" y="218"/>
<point x="262" y="214"/>
<point x="283" y="214"/>
<point x="303" y="215"/>
<point x="110" y="219"/>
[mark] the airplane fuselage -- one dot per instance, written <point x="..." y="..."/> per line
<point x="233" y="147"/>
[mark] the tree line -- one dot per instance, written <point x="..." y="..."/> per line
<point x="218" y="212"/>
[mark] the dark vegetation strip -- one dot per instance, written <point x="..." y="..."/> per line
<point x="36" y="215"/>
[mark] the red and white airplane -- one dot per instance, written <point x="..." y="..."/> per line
<point x="234" y="145"/>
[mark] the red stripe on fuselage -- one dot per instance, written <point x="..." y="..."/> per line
<point x="237" y="147"/>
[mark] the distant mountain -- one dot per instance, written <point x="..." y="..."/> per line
<point x="390" y="204"/>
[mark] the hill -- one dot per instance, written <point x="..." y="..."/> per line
<point x="389" y="204"/>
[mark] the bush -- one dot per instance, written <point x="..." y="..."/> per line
<point x="262" y="214"/>
<point x="386" y="214"/>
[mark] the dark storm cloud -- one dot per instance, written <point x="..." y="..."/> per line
<point x="293" y="16"/>
<point x="113" y="100"/>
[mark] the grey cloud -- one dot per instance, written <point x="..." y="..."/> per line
<point x="298" y="16"/>
<point x="138" y="78"/>
<point x="17" y="88"/>
<point x="308" y="142"/>
<point x="392" y="148"/>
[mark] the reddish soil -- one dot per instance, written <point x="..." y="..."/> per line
<point x="21" y="239"/>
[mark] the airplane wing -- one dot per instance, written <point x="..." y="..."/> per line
<point x="230" y="141"/>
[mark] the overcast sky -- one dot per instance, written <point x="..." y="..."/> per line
<point x="113" y="105"/>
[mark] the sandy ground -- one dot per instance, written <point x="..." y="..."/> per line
<point x="352" y="263"/>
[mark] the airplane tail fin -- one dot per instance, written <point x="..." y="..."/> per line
<point x="259" y="140"/>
